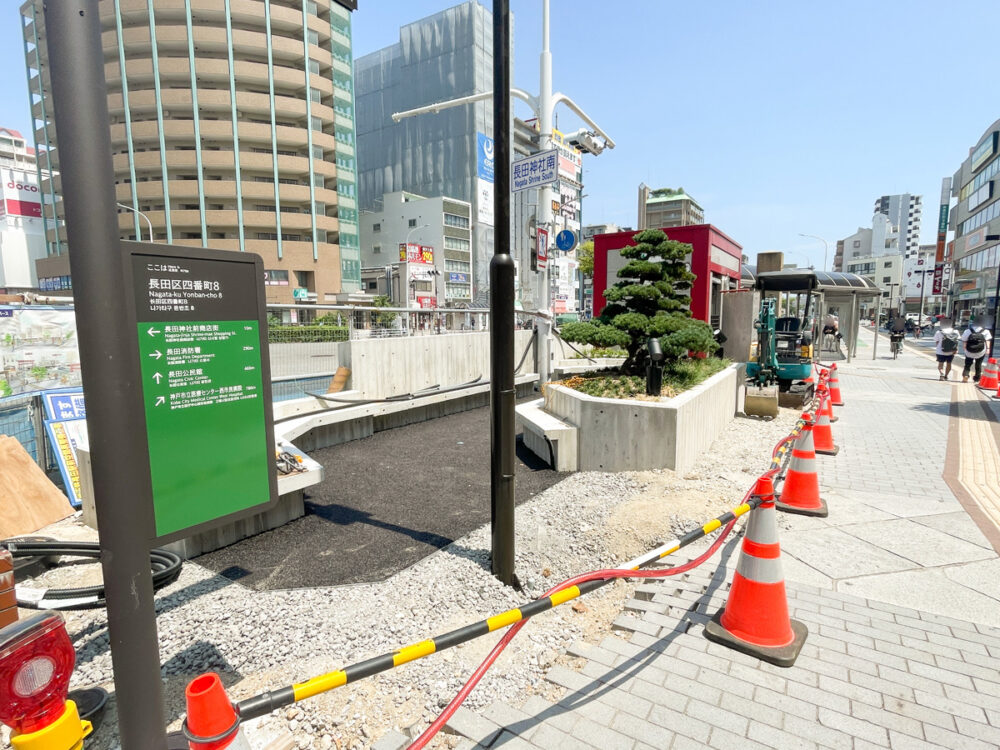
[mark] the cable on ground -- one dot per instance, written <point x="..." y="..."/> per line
<point x="166" y="567"/>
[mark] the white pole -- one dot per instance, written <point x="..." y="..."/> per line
<point x="544" y="218"/>
<point x="136" y="210"/>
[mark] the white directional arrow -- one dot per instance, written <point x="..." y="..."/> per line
<point x="152" y="331"/>
<point x="159" y="400"/>
<point x="157" y="377"/>
<point x="157" y="354"/>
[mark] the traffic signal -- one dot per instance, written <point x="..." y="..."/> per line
<point x="586" y="141"/>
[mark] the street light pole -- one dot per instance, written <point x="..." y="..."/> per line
<point x="543" y="106"/>
<point x="826" y="245"/>
<point x="140" y="213"/>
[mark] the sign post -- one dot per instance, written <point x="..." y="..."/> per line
<point x="107" y="357"/>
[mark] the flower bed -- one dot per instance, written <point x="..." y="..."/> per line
<point x="616" y="434"/>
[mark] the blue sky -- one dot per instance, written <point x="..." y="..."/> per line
<point x="779" y="117"/>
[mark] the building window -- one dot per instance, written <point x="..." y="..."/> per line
<point x="276" y="278"/>
<point x="456" y="243"/>
<point x="886" y="279"/>
<point x="857" y="243"/>
<point x="376" y="249"/>
<point x="451" y="220"/>
<point x="377" y="227"/>
<point x="412" y="223"/>
<point x="887" y="264"/>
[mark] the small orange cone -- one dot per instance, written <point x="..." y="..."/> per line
<point x="755" y="619"/>
<point x="212" y="723"/>
<point x="835" y="397"/>
<point x="800" y="492"/>
<point x="822" y="434"/>
<point x="989" y="380"/>
<point x="827" y="408"/>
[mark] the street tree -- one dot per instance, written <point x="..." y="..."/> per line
<point x="652" y="299"/>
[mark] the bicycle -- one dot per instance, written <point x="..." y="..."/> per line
<point x="896" y="344"/>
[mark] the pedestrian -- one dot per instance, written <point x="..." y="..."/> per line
<point x="946" y="342"/>
<point x="975" y="339"/>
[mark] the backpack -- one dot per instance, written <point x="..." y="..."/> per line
<point x="975" y="343"/>
<point x="949" y="341"/>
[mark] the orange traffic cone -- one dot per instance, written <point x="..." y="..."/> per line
<point x="822" y="434"/>
<point x="989" y="379"/>
<point x="212" y="723"/>
<point x="835" y="397"/>
<point x="800" y="492"/>
<point x="755" y="619"/>
<point x="825" y="405"/>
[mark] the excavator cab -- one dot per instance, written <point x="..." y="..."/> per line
<point x="781" y="357"/>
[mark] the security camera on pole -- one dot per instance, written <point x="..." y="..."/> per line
<point x="592" y="141"/>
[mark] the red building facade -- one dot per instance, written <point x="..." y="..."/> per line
<point x="715" y="261"/>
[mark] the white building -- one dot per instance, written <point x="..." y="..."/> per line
<point x="430" y="239"/>
<point x="22" y="229"/>
<point x="887" y="273"/>
<point x="903" y="212"/>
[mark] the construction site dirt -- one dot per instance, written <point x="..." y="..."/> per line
<point x="387" y="501"/>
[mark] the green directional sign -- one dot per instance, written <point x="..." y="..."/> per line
<point x="205" y="387"/>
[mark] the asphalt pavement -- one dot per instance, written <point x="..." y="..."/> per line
<point x="387" y="501"/>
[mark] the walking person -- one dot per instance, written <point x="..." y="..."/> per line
<point x="975" y="342"/>
<point x="946" y="343"/>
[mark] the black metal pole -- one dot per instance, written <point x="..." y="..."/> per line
<point x="107" y="346"/>
<point x="502" y="392"/>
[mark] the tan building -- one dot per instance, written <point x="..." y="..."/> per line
<point x="665" y="207"/>
<point x="232" y="128"/>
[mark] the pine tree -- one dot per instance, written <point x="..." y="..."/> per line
<point x="651" y="300"/>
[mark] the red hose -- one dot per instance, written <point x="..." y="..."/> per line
<point x="481" y="670"/>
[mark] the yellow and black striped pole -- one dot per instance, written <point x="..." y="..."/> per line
<point x="267" y="702"/>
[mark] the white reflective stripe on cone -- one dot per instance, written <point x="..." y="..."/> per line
<point x="760" y="569"/>
<point x="762" y="530"/>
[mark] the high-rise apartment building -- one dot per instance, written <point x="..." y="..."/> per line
<point x="665" y="207"/>
<point x="441" y="57"/>
<point x="904" y="215"/>
<point x="232" y="127"/>
<point x="22" y="235"/>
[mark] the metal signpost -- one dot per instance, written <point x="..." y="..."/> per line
<point x="177" y="389"/>
<point x="502" y="388"/>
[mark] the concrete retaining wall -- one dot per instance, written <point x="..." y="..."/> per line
<point x="622" y="435"/>
<point x="384" y="367"/>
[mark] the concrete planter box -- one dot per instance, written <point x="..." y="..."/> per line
<point x="624" y="435"/>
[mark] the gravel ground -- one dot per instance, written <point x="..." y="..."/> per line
<point x="266" y="640"/>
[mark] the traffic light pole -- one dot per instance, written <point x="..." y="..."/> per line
<point x="114" y="406"/>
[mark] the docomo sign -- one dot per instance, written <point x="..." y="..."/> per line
<point x="413" y="253"/>
<point x="21" y="197"/>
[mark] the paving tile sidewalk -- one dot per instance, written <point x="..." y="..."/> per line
<point x="899" y="587"/>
